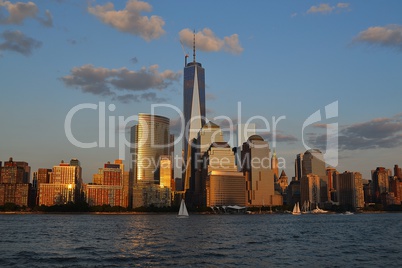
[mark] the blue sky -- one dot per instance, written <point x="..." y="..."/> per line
<point x="278" y="58"/>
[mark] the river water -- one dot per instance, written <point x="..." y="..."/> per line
<point x="270" y="240"/>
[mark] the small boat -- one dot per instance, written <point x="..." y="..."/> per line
<point x="306" y="207"/>
<point x="296" y="209"/>
<point x="183" y="213"/>
<point x="348" y="213"/>
<point x="317" y="210"/>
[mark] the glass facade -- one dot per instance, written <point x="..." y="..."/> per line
<point x="194" y="83"/>
<point x="151" y="140"/>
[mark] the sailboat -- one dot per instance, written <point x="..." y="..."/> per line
<point x="296" y="209"/>
<point x="306" y="207"/>
<point x="183" y="213"/>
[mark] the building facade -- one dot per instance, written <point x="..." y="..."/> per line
<point x="224" y="185"/>
<point x="350" y="190"/>
<point x="14" y="183"/>
<point x="298" y="166"/>
<point x="110" y="186"/>
<point x="65" y="185"/>
<point x="380" y="178"/>
<point x="313" y="163"/>
<point x="150" y="141"/>
<point x="310" y="189"/>
<point x="193" y="109"/>
<point x="259" y="177"/>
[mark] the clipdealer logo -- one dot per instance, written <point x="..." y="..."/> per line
<point x="228" y="127"/>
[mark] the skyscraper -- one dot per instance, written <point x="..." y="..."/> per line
<point x="193" y="107"/>
<point x="298" y="166"/>
<point x="109" y="186"/>
<point x="313" y="163"/>
<point x="350" y="190"/>
<point x="65" y="184"/>
<point x="380" y="182"/>
<point x="259" y="176"/>
<point x="150" y="140"/>
<point x="310" y="189"/>
<point x="274" y="166"/>
<point x="14" y="183"/>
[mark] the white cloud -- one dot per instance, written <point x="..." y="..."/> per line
<point x="322" y="8"/>
<point x="390" y="36"/>
<point x="130" y="20"/>
<point x="325" y="8"/>
<point x="207" y="41"/>
<point x="20" y="11"/>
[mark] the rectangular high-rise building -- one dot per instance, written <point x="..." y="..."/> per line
<point x="193" y="109"/>
<point x="350" y="190"/>
<point x="224" y="185"/>
<point x="298" y="167"/>
<point x="150" y="140"/>
<point x="256" y="168"/>
<point x="310" y="189"/>
<point x="313" y="163"/>
<point x="65" y="185"/>
<point x="380" y="178"/>
<point x="14" y="183"/>
<point x="110" y="186"/>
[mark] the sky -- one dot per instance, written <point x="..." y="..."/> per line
<point x="68" y="66"/>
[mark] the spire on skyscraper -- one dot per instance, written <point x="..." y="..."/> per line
<point x="194" y="46"/>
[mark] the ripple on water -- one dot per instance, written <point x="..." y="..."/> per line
<point x="200" y="241"/>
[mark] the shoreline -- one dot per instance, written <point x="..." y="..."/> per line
<point x="168" y="213"/>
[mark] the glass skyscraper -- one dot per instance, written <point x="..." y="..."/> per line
<point x="150" y="141"/>
<point x="193" y="108"/>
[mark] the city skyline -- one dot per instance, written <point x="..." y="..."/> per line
<point x="283" y="60"/>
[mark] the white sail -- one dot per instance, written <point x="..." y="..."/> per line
<point x="296" y="209"/>
<point x="183" y="213"/>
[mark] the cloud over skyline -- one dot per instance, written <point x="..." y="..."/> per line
<point x="105" y="82"/>
<point x="130" y="20"/>
<point x="18" y="42"/>
<point x="324" y="8"/>
<point x="206" y="40"/>
<point x="373" y="134"/>
<point x="387" y="36"/>
<point x="20" y="11"/>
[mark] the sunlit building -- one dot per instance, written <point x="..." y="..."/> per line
<point x="313" y="163"/>
<point x="259" y="177"/>
<point x="350" y="190"/>
<point x="166" y="171"/>
<point x="380" y="178"/>
<point x="209" y="134"/>
<point x="193" y="109"/>
<point x="65" y="185"/>
<point x="310" y="189"/>
<point x="225" y="186"/>
<point x="14" y="183"/>
<point x="274" y="166"/>
<point x="150" y="140"/>
<point x="110" y="186"/>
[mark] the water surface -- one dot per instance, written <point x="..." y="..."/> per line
<point x="88" y="240"/>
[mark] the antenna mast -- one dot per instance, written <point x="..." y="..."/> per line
<point x="194" y="47"/>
